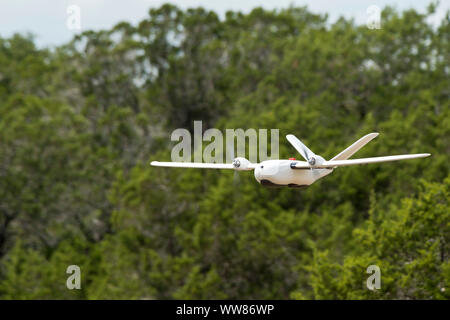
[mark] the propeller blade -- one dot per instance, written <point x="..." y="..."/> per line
<point x="236" y="178"/>
<point x="231" y="148"/>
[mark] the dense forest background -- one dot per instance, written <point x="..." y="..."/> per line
<point x="79" y="124"/>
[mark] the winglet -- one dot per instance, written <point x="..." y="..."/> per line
<point x="347" y="153"/>
<point x="304" y="151"/>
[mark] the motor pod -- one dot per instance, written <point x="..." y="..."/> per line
<point x="315" y="160"/>
<point x="241" y="164"/>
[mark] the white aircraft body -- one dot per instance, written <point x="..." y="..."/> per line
<point x="294" y="173"/>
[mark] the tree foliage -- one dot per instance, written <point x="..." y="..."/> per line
<point x="80" y="122"/>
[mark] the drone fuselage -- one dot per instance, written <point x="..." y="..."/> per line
<point x="278" y="173"/>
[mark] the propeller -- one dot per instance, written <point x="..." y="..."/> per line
<point x="236" y="164"/>
<point x="311" y="160"/>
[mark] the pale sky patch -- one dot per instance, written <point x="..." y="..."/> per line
<point x="46" y="19"/>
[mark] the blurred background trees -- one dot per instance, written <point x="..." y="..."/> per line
<point x="80" y="122"/>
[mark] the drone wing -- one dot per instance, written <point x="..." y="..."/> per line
<point x="192" y="165"/>
<point x="341" y="163"/>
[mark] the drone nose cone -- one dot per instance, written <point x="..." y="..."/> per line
<point x="257" y="173"/>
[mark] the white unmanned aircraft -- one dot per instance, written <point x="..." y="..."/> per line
<point x="294" y="173"/>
